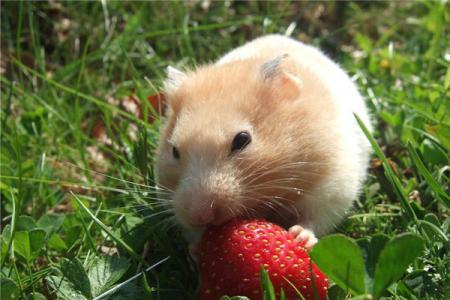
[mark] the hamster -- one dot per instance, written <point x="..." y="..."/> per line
<point x="267" y="131"/>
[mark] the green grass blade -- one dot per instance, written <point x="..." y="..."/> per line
<point x="13" y="231"/>
<point x="67" y="184"/>
<point x="434" y="185"/>
<point x="390" y="175"/>
<point x="105" y="228"/>
<point x="79" y="94"/>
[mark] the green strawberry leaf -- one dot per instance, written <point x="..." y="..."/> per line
<point x="64" y="289"/>
<point x="35" y="296"/>
<point x="28" y="244"/>
<point x="341" y="259"/>
<point x="393" y="260"/>
<point x="76" y="275"/>
<point x="9" y="289"/>
<point x="127" y="292"/>
<point x="106" y="271"/>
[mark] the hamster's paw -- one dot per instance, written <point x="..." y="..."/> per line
<point x="303" y="235"/>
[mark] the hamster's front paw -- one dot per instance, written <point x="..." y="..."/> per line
<point x="303" y="235"/>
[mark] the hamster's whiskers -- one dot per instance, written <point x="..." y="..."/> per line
<point x="139" y="186"/>
<point x="168" y="210"/>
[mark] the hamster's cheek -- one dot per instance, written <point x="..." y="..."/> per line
<point x="168" y="174"/>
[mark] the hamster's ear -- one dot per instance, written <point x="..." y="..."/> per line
<point x="282" y="83"/>
<point x="174" y="79"/>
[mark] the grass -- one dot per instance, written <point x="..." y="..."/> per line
<point x="77" y="180"/>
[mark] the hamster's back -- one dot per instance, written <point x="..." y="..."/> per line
<point x="333" y="197"/>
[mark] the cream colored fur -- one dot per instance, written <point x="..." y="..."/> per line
<point x="307" y="159"/>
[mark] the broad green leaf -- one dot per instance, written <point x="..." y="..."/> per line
<point x="127" y="292"/>
<point x="4" y="240"/>
<point x="432" y="153"/>
<point x="35" y="296"/>
<point x="72" y="234"/>
<point x="364" y="42"/>
<point x="65" y="289"/>
<point x="51" y="223"/>
<point x="9" y="289"/>
<point x="28" y="244"/>
<point x="394" y="259"/>
<point x="76" y="275"/>
<point x="37" y="237"/>
<point x="341" y="259"/>
<point x="335" y="292"/>
<point x="55" y="242"/>
<point x="105" y="272"/>
<point x="25" y="223"/>
<point x="392" y="119"/>
<point x="371" y="251"/>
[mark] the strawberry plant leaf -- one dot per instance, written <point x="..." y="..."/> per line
<point x="130" y="291"/>
<point x="393" y="260"/>
<point x="76" y="275"/>
<point x="64" y="289"/>
<point x="341" y="259"/>
<point x="106" y="271"/>
<point x="35" y="296"/>
<point x="9" y="289"/>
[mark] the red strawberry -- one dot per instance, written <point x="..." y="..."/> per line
<point x="230" y="257"/>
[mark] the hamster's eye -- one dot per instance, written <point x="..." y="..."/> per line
<point x="240" y="141"/>
<point x="175" y="153"/>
